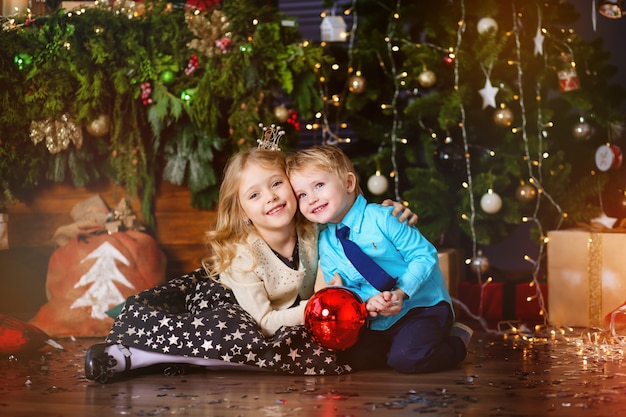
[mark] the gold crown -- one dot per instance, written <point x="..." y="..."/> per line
<point x="270" y="137"/>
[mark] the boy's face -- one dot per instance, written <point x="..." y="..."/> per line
<point x="267" y="198"/>
<point x="322" y="196"/>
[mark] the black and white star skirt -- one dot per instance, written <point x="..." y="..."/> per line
<point x="194" y="316"/>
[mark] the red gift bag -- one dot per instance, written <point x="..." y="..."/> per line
<point x="93" y="273"/>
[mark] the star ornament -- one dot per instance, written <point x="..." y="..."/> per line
<point x="488" y="93"/>
<point x="539" y="42"/>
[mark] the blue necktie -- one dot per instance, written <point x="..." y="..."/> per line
<point x="370" y="270"/>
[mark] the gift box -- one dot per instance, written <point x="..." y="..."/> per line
<point x="451" y="265"/>
<point x="586" y="275"/>
<point x="503" y="300"/>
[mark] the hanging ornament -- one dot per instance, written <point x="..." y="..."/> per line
<point x="539" y="38"/>
<point x="146" y="93"/>
<point x="212" y="32"/>
<point x="608" y="157"/>
<point x="612" y="9"/>
<point x="491" y="202"/>
<point x="293" y="119"/>
<point x="539" y="42"/>
<point x="427" y="78"/>
<point x="356" y="84"/>
<point x="448" y="59"/>
<point x="377" y="184"/>
<point x="192" y="65"/>
<point x="526" y="193"/>
<point x="449" y="157"/>
<point x="167" y="77"/>
<point x="57" y="133"/>
<point x="480" y="264"/>
<point x="486" y="24"/>
<point x="503" y="116"/>
<point x="281" y="113"/>
<point x="582" y="130"/>
<point x="100" y="126"/>
<point x="568" y="78"/>
<point x="333" y="29"/>
<point x="488" y="93"/>
<point x="23" y="60"/>
<point x="187" y="94"/>
<point x="334" y="317"/>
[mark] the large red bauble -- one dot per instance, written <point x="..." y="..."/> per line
<point x="18" y="336"/>
<point x="334" y="316"/>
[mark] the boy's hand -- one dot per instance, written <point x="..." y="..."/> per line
<point x="405" y="213"/>
<point x="386" y="303"/>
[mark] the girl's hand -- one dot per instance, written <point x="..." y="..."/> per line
<point x="336" y="281"/>
<point x="399" y="209"/>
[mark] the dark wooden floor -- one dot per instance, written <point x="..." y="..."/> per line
<point x="503" y="376"/>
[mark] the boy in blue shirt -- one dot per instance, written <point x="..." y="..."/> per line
<point x="411" y="326"/>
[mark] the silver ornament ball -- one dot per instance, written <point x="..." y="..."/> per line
<point x="485" y="24"/>
<point x="377" y="184"/>
<point x="480" y="264"/>
<point x="491" y="202"/>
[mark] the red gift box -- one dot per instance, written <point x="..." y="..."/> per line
<point x="503" y="300"/>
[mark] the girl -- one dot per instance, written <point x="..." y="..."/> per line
<point x="250" y="315"/>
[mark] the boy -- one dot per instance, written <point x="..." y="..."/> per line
<point x="411" y="317"/>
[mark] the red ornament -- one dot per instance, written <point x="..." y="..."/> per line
<point x="17" y="336"/>
<point x="202" y="4"/>
<point x="334" y="316"/>
<point x="568" y="78"/>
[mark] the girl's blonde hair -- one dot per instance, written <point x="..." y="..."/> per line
<point x="326" y="158"/>
<point x="232" y="226"/>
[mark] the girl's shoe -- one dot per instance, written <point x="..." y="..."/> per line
<point x="99" y="365"/>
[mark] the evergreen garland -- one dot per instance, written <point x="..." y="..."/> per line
<point x="182" y="87"/>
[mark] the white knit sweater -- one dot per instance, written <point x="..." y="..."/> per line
<point x="267" y="288"/>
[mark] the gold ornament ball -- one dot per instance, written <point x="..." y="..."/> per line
<point x="503" y="117"/>
<point x="526" y="193"/>
<point x="281" y="113"/>
<point x="427" y="78"/>
<point x="582" y="130"/>
<point x="100" y="126"/>
<point x="356" y="84"/>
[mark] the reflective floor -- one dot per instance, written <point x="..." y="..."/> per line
<point x="504" y="375"/>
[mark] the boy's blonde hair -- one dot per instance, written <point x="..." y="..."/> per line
<point x="326" y="158"/>
<point x="232" y="226"/>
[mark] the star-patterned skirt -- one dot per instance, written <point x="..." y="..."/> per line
<point x="193" y="316"/>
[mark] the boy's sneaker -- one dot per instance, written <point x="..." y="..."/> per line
<point x="462" y="331"/>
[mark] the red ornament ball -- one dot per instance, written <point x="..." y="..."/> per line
<point x="334" y="317"/>
<point x="19" y="336"/>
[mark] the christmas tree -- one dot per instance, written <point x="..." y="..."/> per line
<point x="480" y="116"/>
